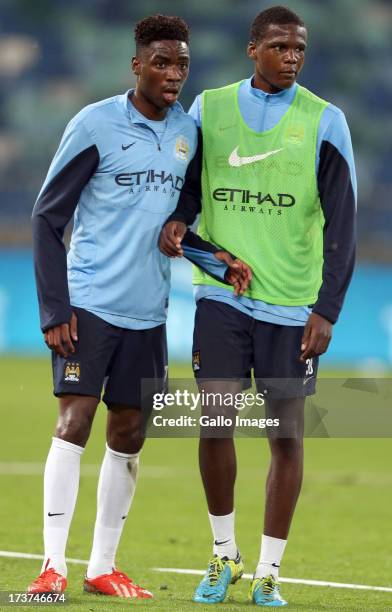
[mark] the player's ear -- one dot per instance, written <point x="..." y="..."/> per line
<point x="135" y="66"/>
<point x="251" y="50"/>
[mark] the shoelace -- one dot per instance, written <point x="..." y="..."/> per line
<point x="267" y="585"/>
<point x="123" y="577"/>
<point x="127" y="579"/>
<point x="214" y="570"/>
<point x="41" y="580"/>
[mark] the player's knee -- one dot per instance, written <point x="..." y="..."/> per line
<point x="127" y="438"/>
<point x="75" y="421"/>
<point x="288" y="449"/>
<point x="76" y="433"/>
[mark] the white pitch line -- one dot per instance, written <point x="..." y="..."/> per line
<point x="337" y="585"/>
<point x="20" y="468"/>
<point x="20" y="555"/>
<point x="174" y="570"/>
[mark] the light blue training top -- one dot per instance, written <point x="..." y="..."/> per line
<point x="115" y="268"/>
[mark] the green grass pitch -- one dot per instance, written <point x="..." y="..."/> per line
<point x="341" y="530"/>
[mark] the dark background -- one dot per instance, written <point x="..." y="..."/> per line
<point x="57" y="56"/>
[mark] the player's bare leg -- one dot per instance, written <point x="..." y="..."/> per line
<point x="217" y="457"/>
<point x="218" y="468"/>
<point x="116" y="488"/>
<point x="124" y="432"/>
<point x="286" y="468"/>
<point x="76" y="415"/>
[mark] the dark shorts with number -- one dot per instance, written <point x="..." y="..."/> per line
<point x="128" y="364"/>
<point x="228" y="344"/>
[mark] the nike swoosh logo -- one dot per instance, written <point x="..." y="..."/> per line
<point x="125" y="147"/>
<point x="235" y="160"/>
<point x="56" y="513"/>
<point x="220" y="543"/>
<point x="306" y="380"/>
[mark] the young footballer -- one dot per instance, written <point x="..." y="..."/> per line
<point x="118" y="172"/>
<point x="275" y="182"/>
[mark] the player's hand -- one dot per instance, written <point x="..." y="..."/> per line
<point x="170" y="239"/>
<point x="238" y="272"/>
<point x="61" y="337"/>
<point x="316" y="337"/>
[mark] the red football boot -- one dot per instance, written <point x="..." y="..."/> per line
<point x="49" y="581"/>
<point x="115" y="584"/>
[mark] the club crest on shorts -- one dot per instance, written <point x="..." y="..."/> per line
<point x="181" y="149"/>
<point x="196" y="361"/>
<point x="72" y="372"/>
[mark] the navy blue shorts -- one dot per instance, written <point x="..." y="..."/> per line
<point x="228" y="344"/>
<point x="112" y="358"/>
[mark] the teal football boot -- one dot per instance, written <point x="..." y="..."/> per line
<point x="265" y="592"/>
<point x="220" y="573"/>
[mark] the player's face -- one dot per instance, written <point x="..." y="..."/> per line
<point x="278" y="57"/>
<point x="161" y="69"/>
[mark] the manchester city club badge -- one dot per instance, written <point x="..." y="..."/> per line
<point x="72" y="372"/>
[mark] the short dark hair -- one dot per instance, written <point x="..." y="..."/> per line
<point x="276" y="15"/>
<point x="160" y="27"/>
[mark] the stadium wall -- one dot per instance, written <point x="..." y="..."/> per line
<point x="362" y="337"/>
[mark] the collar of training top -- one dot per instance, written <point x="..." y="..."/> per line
<point x="285" y="95"/>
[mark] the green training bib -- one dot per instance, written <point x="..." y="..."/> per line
<point x="260" y="196"/>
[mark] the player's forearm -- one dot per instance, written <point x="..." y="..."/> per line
<point x="50" y="266"/>
<point x="202" y="253"/>
<point x="339" y="208"/>
<point x="337" y="273"/>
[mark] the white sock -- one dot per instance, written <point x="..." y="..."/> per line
<point x="116" y="487"/>
<point x="223" y="532"/>
<point x="271" y="554"/>
<point x="61" y="484"/>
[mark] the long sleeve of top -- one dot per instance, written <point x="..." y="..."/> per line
<point x="337" y="198"/>
<point x="336" y="181"/>
<point x="202" y="254"/>
<point x="70" y="171"/>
